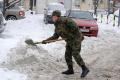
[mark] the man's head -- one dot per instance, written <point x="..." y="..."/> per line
<point x="55" y="15"/>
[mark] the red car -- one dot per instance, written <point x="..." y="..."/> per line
<point x="85" y="21"/>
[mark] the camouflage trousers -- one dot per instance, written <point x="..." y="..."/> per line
<point x="73" y="51"/>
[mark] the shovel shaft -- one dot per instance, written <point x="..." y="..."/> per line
<point x="49" y="41"/>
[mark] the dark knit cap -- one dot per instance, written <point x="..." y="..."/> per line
<point x="56" y="13"/>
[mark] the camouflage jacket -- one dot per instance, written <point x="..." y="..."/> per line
<point x="68" y="30"/>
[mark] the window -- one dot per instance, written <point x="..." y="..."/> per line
<point x="35" y="3"/>
<point x="101" y="1"/>
<point x="83" y="0"/>
<point x="77" y="3"/>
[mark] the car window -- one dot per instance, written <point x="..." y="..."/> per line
<point x="15" y="6"/>
<point x="1" y="6"/>
<point x="56" y="7"/>
<point x="80" y="15"/>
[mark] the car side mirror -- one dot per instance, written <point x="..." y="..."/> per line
<point x="95" y="19"/>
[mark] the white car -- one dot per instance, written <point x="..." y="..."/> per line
<point x="2" y="22"/>
<point x="50" y="8"/>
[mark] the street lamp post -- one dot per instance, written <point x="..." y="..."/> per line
<point x="3" y="7"/>
<point x="119" y="18"/>
<point x="108" y="7"/>
<point x="31" y="5"/>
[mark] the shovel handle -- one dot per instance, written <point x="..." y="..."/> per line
<point x="49" y="41"/>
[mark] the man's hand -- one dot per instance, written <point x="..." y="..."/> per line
<point x="44" y="42"/>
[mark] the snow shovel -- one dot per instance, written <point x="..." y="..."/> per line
<point x="31" y="42"/>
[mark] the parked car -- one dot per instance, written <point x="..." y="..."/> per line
<point x="50" y="8"/>
<point x="2" y="22"/>
<point x="85" y="21"/>
<point x="15" y="12"/>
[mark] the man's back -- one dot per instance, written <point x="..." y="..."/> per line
<point x="66" y="28"/>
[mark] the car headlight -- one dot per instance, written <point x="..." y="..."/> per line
<point x="93" y="28"/>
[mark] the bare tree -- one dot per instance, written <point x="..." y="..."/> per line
<point x="95" y="3"/>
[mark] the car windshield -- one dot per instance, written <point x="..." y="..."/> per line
<point x="80" y="15"/>
<point x="1" y="5"/>
<point x="56" y="7"/>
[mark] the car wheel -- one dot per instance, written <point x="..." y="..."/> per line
<point x="11" y="18"/>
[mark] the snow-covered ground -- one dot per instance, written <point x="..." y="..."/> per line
<point x="46" y="62"/>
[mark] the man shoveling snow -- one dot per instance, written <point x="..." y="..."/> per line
<point x="67" y="29"/>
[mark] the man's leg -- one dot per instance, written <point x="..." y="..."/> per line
<point x="76" y="54"/>
<point x="68" y="58"/>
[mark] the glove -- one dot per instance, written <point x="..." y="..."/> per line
<point x="44" y="42"/>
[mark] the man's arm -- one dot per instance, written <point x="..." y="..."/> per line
<point x="54" y="37"/>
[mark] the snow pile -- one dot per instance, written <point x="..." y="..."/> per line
<point x="36" y="62"/>
<point x="20" y="30"/>
<point x="5" y="74"/>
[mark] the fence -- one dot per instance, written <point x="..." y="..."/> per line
<point x="109" y="19"/>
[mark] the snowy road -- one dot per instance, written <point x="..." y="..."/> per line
<point x="47" y="61"/>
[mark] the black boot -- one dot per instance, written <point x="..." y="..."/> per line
<point x="85" y="71"/>
<point x="69" y="71"/>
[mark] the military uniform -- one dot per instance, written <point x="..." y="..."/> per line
<point x="67" y="29"/>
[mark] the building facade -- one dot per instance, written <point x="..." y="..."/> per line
<point x="39" y="5"/>
<point x="89" y="4"/>
<point x="36" y="5"/>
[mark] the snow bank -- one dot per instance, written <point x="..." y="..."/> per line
<point x="5" y="74"/>
<point x="30" y="27"/>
